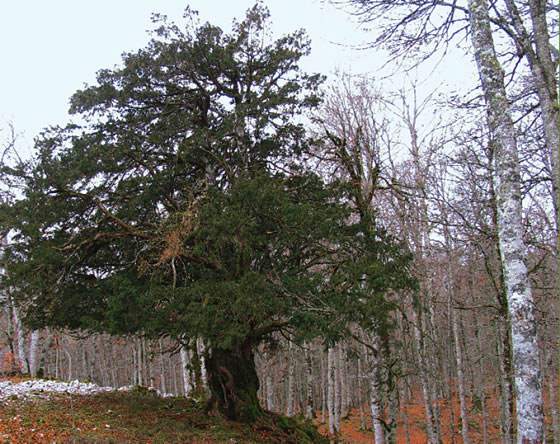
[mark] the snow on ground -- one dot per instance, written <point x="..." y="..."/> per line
<point x="41" y="388"/>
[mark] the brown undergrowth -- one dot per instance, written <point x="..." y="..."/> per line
<point x="352" y="433"/>
<point x="137" y="417"/>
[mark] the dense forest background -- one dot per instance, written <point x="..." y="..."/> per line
<point x="220" y="225"/>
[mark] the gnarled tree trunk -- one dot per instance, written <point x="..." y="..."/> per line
<point x="233" y="383"/>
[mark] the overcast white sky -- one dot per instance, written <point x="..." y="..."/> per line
<point x="49" y="49"/>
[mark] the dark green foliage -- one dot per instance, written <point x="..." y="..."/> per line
<point x="180" y="207"/>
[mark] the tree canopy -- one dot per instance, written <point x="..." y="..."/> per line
<point x="180" y="205"/>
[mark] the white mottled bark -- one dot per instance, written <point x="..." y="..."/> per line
<point x="41" y="370"/>
<point x="268" y="383"/>
<point x="544" y="68"/>
<point x="512" y="247"/>
<point x="337" y="394"/>
<point x="139" y="363"/>
<point x="308" y="383"/>
<point x="69" y="359"/>
<point x="324" y="386"/>
<point x="553" y="396"/>
<point x="331" y="384"/>
<point x="344" y="385"/>
<point x="56" y="363"/>
<point x="360" y="395"/>
<point x="18" y="326"/>
<point x="537" y="49"/>
<point x="291" y="381"/>
<point x="502" y="327"/>
<point x="34" y="352"/>
<point x="147" y="363"/>
<point x="172" y="366"/>
<point x="269" y="393"/>
<point x="113" y="368"/>
<point x="392" y="394"/>
<point x="375" y="385"/>
<point x="186" y="371"/>
<point x="201" y="350"/>
<point x="85" y="360"/>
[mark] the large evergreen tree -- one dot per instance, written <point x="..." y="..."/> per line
<point x="178" y="206"/>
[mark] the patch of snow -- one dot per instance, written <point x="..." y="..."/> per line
<point x="41" y="388"/>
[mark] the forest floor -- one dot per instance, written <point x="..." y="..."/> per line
<point x="137" y="416"/>
<point x="140" y="416"/>
<point x="412" y="419"/>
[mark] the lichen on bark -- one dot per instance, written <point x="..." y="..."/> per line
<point x="507" y="181"/>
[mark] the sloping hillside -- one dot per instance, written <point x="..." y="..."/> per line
<point x="137" y="416"/>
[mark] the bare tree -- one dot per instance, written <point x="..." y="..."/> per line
<point x="512" y="246"/>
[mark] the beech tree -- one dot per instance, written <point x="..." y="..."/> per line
<point x="430" y="25"/>
<point x="178" y="207"/>
<point x="357" y="147"/>
<point x="510" y="229"/>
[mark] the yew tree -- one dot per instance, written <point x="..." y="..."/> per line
<point x="178" y="205"/>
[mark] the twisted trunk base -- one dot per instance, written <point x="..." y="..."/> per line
<point x="233" y="383"/>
